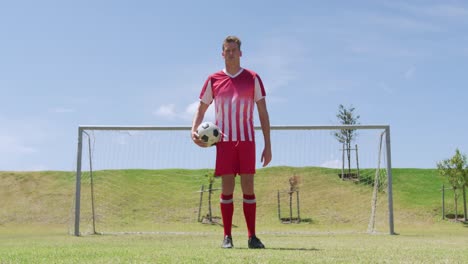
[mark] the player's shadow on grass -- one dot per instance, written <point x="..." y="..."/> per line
<point x="293" y="249"/>
<point x="282" y="249"/>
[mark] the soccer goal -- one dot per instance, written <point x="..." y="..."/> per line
<point x="137" y="179"/>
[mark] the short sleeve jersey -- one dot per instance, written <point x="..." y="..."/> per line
<point x="235" y="97"/>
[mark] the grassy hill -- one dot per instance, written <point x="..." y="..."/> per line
<point x="35" y="197"/>
<point x="47" y="197"/>
<point x="36" y="209"/>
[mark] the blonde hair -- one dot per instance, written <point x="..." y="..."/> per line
<point x="231" y="39"/>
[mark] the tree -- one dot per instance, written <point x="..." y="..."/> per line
<point x="456" y="171"/>
<point x="346" y="116"/>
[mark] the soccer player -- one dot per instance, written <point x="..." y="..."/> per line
<point x="235" y="91"/>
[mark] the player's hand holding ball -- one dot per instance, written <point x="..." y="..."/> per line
<point x="196" y="139"/>
<point x="207" y="135"/>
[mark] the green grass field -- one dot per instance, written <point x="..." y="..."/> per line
<point x="36" y="210"/>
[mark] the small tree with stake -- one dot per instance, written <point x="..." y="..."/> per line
<point x="346" y="116"/>
<point x="294" y="182"/>
<point x="210" y="193"/>
<point x="456" y="171"/>
<point x="211" y="179"/>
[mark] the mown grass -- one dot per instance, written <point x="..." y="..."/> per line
<point x="35" y="218"/>
<point x="418" y="188"/>
<point x="443" y="244"/>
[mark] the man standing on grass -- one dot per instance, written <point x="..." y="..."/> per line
<point x="235" y="91"/>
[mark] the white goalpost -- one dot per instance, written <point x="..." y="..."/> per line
<point x="137" y="179"/>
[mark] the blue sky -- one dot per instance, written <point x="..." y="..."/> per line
<point x="70" y="63"/>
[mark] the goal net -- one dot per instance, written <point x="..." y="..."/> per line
<point x="154" y="179"/>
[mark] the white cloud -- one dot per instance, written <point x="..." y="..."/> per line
<point x="192" y="108"/>
<point x="447" y="11"/>
<point x="384" y="86"/>
<point x="277" y="66"/>
<point x="39" y="167"/>
<point x="409" y="73"/>
<point x="166" y="111"/>
<point x="27" y="143"/>
<point x="404" y="23"/>
<point x="170" y="111"/>
<point x="13" y="145"/>
<point x="60" y="110"/>
<point x="276" y="99"/>
<point x="334" y="164"/>
<point x="437" y="10"/>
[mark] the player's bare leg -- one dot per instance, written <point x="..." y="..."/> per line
<point x="247" y="184"/>
<point x="228" y="182"/>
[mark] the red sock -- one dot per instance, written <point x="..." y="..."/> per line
<point x="250" y="208"/>
<point x="227" y="210"/>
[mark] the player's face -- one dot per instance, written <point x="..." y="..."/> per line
<point x="231" y="51"/>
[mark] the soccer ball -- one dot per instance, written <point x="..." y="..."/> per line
<point x="209" y="133"/>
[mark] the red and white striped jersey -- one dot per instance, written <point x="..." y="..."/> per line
<point x="235" y="97"/>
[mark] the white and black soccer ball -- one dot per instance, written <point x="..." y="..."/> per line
<point x="209" y="133"/>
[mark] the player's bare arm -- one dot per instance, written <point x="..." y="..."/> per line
<point x="197" y="119"/>
<point x="265" y="124"/>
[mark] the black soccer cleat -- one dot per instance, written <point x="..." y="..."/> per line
<point x="227" y="242"/>
<point x="254" y="242"/>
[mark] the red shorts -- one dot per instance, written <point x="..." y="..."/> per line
<point x="235" y="158"/>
